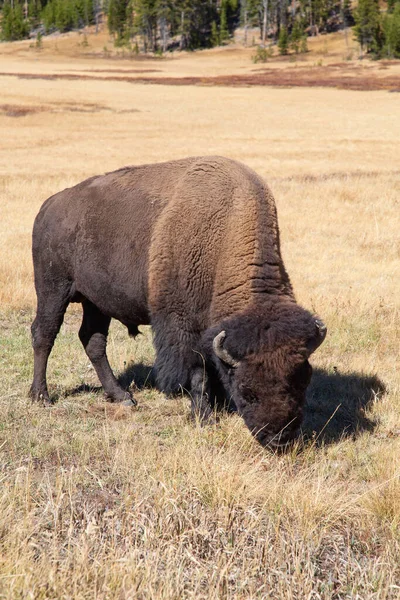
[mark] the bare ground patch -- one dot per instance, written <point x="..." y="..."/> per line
<point x="112" y="70"/>
<point x="16" y="110"/>
<point x="319" y="76"/>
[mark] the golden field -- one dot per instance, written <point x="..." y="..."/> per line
<point x="103" y="502"/>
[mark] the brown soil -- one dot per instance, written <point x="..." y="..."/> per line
<point x="329" y="76"/>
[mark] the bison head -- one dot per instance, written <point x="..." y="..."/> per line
<point x="262" y="357"/>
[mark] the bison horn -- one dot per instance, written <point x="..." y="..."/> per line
<point x="222" y="352"/>
<point x="319" y="336"/>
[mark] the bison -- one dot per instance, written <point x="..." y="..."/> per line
<point x="190" y="247"/>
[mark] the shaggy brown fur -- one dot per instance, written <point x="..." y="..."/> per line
<point x="192" y="248"/>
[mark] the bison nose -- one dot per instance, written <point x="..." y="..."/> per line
<point x="279" y="441"/>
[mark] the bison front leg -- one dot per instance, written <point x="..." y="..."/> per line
<point x="199" y="393"/>
<point x="178" y="366"/>
<point x="93" y="335"/>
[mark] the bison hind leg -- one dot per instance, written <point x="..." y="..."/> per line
<point x="93" y="335"/>
<point x="51" y="306"/>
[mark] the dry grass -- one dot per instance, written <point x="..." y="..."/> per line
<point x="103" y="502"/>
<point x="330" y="62"/>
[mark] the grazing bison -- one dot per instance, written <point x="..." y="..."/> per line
<point x="192" y="248"/>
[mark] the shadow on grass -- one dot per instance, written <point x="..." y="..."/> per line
<point x="335" y="409"/>
<point x="142" y="376"/>
<point x="337" y="403"/>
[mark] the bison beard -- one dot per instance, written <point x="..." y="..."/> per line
<point x="192" y="248"/>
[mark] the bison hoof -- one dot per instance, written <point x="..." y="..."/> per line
<point x="40" y="397"/>
<point x="124" y="397"/>
<point x="129" y="402"/>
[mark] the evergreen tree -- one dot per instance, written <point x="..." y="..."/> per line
<point x="303" y="44"/>
<point x="214" y="39"/>
<point x="223" y="28"/>
<point x="368" y="27"/>
<point x="34" y="13"/>
<point x="347" y="15"/>
<point x="83" y="12"/>
<point x="391" y="33"/>
<point x="296" y="37"/>
<point x="196" y="22"/>
<point x="117" y="17"/>
<point x="65" y="16"/>
<point x="49" y="16"/>
<point x="283" y="41"/>
<point x="13" y="25"/>
<point x="391" y="5"/>
<point x="232" y="10"/>
<point x="146" y="20"/>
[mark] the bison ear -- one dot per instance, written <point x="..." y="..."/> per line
<point x="221" y="352"/>
<point x="318" y="337"/>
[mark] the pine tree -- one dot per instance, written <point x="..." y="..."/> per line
<point x="214" y="39"/>
<point x="347" y="14"/>
<point x="232" y="9"/>
<point x="6" y="23"/>
<point x="146" y="18"/>
<point x="391" y="33"/>
<point x="303" y="44"/>
<point x="34" y="13"/>
<point x="83" y="12"/>
<point x="117" y="17"/>
<point x="196" y="24"/>
<point x="49" y="16"/>
<point x="13" y="25"/>
<point x="391" y="5"/>
<point x="296" y="37"/>
<point x="223" y="27"/>
<point x="64" y="15"/>
<point x="283" y="41"/>
<point x="367" y="28"/>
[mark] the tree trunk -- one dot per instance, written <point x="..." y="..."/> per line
<point x="265" y="22"/>
<point x="245" y="26"/>
<point x="181" y="43"/>
<point x="163" y="33"/>
<point x="96" y="14"/>
<point x="344" y="26"/>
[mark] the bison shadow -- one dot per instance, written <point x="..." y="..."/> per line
<point x="142" y="376"/>
<point x="337" y="404"/>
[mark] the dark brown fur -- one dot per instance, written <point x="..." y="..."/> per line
<point x="192" y="248"/>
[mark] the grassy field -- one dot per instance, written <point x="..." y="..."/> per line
<point x="103" y="502"/>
